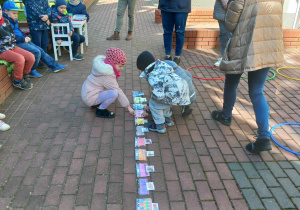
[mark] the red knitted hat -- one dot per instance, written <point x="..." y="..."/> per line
<point x="115" y="56"/>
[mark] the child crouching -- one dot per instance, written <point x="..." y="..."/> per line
<point x="101" y="87"/>
<point x="169" y="89"/>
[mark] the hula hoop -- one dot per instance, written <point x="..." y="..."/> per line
<point x="205" y="78"/>
<point x="274" y="74"/>
<point x="296" y="153"/>
<point x="285" y="75"/>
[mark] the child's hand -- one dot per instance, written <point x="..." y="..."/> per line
<point x="145" y="114"/>
<point x="59" y="41"/>
<point x="48" y="22"/>
<point x="130" y="110"/>
<point x="44" y="17"/>
<point x="70" y="33"/>
<point x="27" y="39"/>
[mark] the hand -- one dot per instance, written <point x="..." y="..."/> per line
<point x="145" y="114"/>
<point x="44" y="17"/>
<point x="48" y="22"/>
<point x="27" y="39"/>
<point x="70" y="33"/>
<point x="130" y="110"/>
<point x="59" y="41"/>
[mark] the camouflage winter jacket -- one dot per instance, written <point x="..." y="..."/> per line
<point x="168" y="87"/>
<point x="7" y="37"/>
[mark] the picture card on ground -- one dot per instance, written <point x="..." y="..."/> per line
<point x="137" y="93"/>
<point x="144" y="204"/>
<point x="155" y="206"/>
<point x="140" y="154"/>
<point x="138" y="113"/>
<point x="141" y="141"/>
<point x="150" y="169"/>
<point x="140" y="130"/>
<point x="140" y="121"/>
<point x="139" y="106"/>
<point x="150" y="186"/>
<point x="150" y="153"/>
<point x="141" y="170"/>
<point x="143" y="187"/>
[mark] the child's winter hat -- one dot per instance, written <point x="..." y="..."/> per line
<point x="10" y="5"/>
<point x="59" y="3"/>
<point x="115" y="56"/>
<point x="144" y="60"/>
<point x="74" y="2"/>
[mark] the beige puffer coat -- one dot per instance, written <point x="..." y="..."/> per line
<point x="257" y="39"/>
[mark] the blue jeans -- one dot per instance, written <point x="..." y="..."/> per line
<point x="169" y="19"/>
<point x="39" y="54"/>
<point x="40" y="38"/>
<point x="224" y="35"/>
<point x="77" y="40"/>
<point x="256" y="82"/>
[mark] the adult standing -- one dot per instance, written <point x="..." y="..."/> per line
<point x="224" y="35"/>
<point x="174" y="13"/>
<point x="255" y="46"/>
<point x="122" y="5"/>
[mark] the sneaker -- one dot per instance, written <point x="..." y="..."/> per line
<point x="2" y="116"/>
<point x="169" y="121"/>
<point x="217" y="115"/>
<point x="159" y="128"/>
<point x="186" y="111"/>
<point x="168" y="57"/>
<point x="22" y="84"/>
<point x="4" y="126"/>
<point x="259" y="145"/>
<point x="35" y="74"/>
<point x="104" y="113"/>
<point x="78" y="57"/>
<point x="177" y="60"/>
<point x="27" y="79"/>
<point x="217" y="64"/>
<point x="59" y="68"/>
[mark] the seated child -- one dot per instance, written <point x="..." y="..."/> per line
<point x="171" y="86"/>
<point x="3" y="125"/>
<point x="22" y="59"/>
<point x="101" y="87"/>
<point x="59" y="14"/>
<point x="11" y="13"/>
<point x="76" y="7"/>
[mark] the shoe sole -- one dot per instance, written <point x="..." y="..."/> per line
<point x="23" y="88"/>
<point x="59" y="69"/>
<point x="78" y="59"/>
<point x="158" y="131"/>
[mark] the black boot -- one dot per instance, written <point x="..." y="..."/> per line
<point x="186" y="111"/>
<point x="104" y="113"/>
<point x="259" y="145"/>
<point x="217" y="115"/>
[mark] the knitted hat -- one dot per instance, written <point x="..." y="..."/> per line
<point x="59" y="3"/>
<point x="115" y="56"/>
<point x="74" y="3"/>
<point x="144" y="60"/>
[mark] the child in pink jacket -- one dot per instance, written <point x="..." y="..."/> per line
<point x="101" y="87"/>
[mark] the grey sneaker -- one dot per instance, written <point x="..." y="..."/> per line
<point x="22" y="84"/>
<point x="78" y="57"/>
<point x="159" y="128"/>
<point x="26" y="77"/>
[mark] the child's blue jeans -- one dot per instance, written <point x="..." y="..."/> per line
<point x="38" y="53"/>
<point x="256" y="82"/>
<point x="40" y="38"/>
<point x="77" y="39"/>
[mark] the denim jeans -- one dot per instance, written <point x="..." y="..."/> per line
<point x="77" y="40"/>
<point x="256" y="82"/>
<point x="40" y="38"/>
<point x="224" y="35"/>
<point x="169" y="19"/>
<point x="122" y="4"/>
<point x="39" y="54"/>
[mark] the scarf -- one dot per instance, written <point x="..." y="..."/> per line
<point x="74" y="3"/>
<point x="117" y="73"/>
<point x="1" y="21"/>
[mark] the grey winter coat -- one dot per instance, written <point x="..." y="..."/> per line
<point x="168" y="87"/>
<point x="175" y="5"/>
<point x="257" y="39"/>
<point x="186" y="75"/>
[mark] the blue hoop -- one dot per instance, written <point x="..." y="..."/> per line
<point x="296" y="153"/>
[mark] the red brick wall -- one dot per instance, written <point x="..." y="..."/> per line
<point x="196" y="38"/>
<point x="194" y="17"/>
<point x="6" y="86"/>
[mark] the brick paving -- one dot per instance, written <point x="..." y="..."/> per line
<point x="57" y="155"/>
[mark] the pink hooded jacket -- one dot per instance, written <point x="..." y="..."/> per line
<point x="102" y="78"/>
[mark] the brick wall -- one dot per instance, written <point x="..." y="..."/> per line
<point x="193" y="17"/>
<point x="6" y="86"/>
<point x="196" y="38"/>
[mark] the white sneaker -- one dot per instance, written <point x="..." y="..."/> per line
<point x="2" y="116"/>
<point x="4" y="126"/>
<point x="217" y="64"/>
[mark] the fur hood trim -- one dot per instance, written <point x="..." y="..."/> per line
<point x="101" y="68"/>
